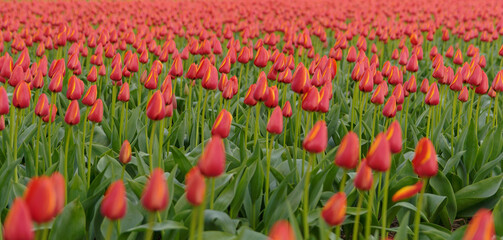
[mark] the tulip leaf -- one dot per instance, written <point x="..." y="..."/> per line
<point x="71" y="223"/>
<point x="158" y="226"/>
<point x="477" y="192"/>
<point x="441" y="186"/>
<point x="471" y="147"/>
<point x="217" y="220"/>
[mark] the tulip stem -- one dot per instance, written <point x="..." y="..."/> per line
<point x="239" y="85"/>
<point x="362" y="100"/>
<point x="268" y="166"/>
<point x="477" y="113"/>
<point x="368" y="218"/>
<point x="83" y="142"/>
<point x="470" y="111"/>
<point x="212" y="194"/>
<point x="257" y="115"/>
<point x="428" y="122"/>
<point x="452" y="125"/>
<point x="495" y="111"/>
<point x="198" y="108"/>
<point x="406" y="117"/>
<point x="305" y="211"/>
<point x="459" y="118"/>
<point x="150" y="146"/>
<point x="121" y="121"/>
<point x="246" y="127"/>
<point x="384" y="215"/>
<point x="193" y="223"/>
<point x="112" y="115"/>
<point x="417" y="218"/>
<point x="374" y="121"/>
<point x="343" y="180"/>
<point x="150" y="230"/>
<point x="161" y="142"/>
<point x="89" y="157"/>
<point x="297" y="130"/>
<point x="49" y="135"/>
<point x="37" y="146"/>
<point x="203" y="113"/>
<point x="357" y="216"/>
<point x="355" y="95"/>
<point x="67" y="144"/>
<point x="110" y="228"/>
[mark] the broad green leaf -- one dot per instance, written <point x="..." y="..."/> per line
<point x="70" y="224"/>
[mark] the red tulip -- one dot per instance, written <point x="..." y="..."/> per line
<point x="222" y="125"/>
<point x="389" y="109"/>
<point x="17" y="76"/>
<point x="281" y="230"/>
<point x="212" y="161"/>
<point x="40" y="197"/>
<point x="287" y="110"/>
<point x="347" y="155"/>
<point x="425" y="85"/>
<point x="261" y="58"/>
<point x="412" y="65"/>
<point x="481" y="226"/>
<point x="177" y="67"/>
<point x="497" y="84"/>
<point x="96" y="113"/>
<point x="156" y="110"/>
<point x="334" y="210"/>
<point x="394" y="137"/>
<point x="75" y="88"/>
<point x="425" y="159"/>
<point x="379" y="155"/>
<point x="4" y="101"/>
<point x="17" y="224"/>
<point x="272" y="97"/>
<point x="125" y="152"/>
<point x="407" y="192"/>
<point x="21" y="95"/>
<point x="114" y="202"/>
<point x="42" y="107"/>
<point x="316" y="140"/>
<point x="261" y="90"/>
<point x="58" y="182"/>
<point x="155" y="195"/>
<point x="90" y="96"/>
<point x="2" y="123"/>
<point x="54" y="111"/>
<point x="432" y="96"/>
<point x="249" y="96"/>
<point x="123" y="95"/>
<point x="56" y="84"/>
<point x="195" y="187"/>
<point x="463" y="95"/>
<point x="300" y="79"/>
<point x="275" y="123"/>
<point x="311" y="99"/>
<point x="72" y="116"/>
<point x="364" y="179"/>
<point x="210" y="79"/>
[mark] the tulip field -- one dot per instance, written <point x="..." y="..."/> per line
<point x="229" y="120"/>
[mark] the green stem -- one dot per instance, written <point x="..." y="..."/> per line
<point x="384" y="215"/>
<point x="428" y="123"/>
<point x="239" y="85"/>
<point x="495" y="111"/>
<point x="121" y="121"/>
<point x="419" y="205"/>
<point x="257" y="115"/>
<point x="406" y="117"/>
<point x="268" y="167"/>
<point x="357" y="216"/>
<point x="193" y="223"/>
<point x="67" y="144"/>
<point x="452" y="125"/>
<point x="49" y="125"/>
<point x="89" y="157"/>
<point x="362" y="100"/>
<point x="200" y="226"/>
<point x="343" y="180"/>
<point x="37" y="146"/>
<point x="150" y="146"/>
<point x="109" y="230"/>
<point x="374" y="117"/>
<point x="161" y="141"/>
<point x="212" y="194"/>
<point x="112" y="115"/>
<point x="305" y="211"/>
<point x="368" y="218"/>
<point x="248" y="112"/>
<point x="203" y="113"/>
<point x="353" y="99"/>
<point x="477" y="113"/>
<point x="470" y="111"/>
<point x="150" y="230"/>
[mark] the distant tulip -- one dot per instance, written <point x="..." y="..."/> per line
<point x="212" y="161"/>
<point x="364" y="179"/>
<point x="42" y="107"/>
<point x="281" y="230"/>
<point x="432" y="96"/>
<point x="90" y="96"/>
<point x="249" y="99"/>
<point x="195" y="187"/>
<point x="123" y="95"/>
<point x="425" y="85"/>
<point x="481" y="226"/>
<point x="222" y="125"/>
<point x="300" y="79"/>
<point x="17" y="224"/>
<point x="114" y="202"/>
<point x="334" y="210"/>
<point x="17" y="76"/>
<point x="21" y="95"/>
<point x="155" y="195"/>
<point x="75" y="89"/>
<point x="261" y="57"/>
<point x="56" y="84"/>
<point x="425" y="159"/>
<point x="125" y="152"/>
<point x="287" y="110"/>
<point x="155" y="107"/>
<point x="407" y="192"/>
<point x="394" y="137"/>
<point x="316" y="139"/>
<point x="40" y="197"/>
<point x="72" y="115"/>
<point x="311" y="100"/>
<point x="210" y="79"/>
<point x="275" y="123"/>
<point x="272" y="97"/>
<point x="379" y="154"/>
<point x="96" y="113"/>
<point x="347" y="155"/>
<point x="389" y="109"/>
<point x="261" y="90"/>
<point x="4" y="101"/>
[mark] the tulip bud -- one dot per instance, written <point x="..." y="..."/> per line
<point x="394" y="137"/>
<point x="275" y="123"/>
<point x="17" y="76"/>
<point x="40" y="197"/>
<point x="379" y="155"/>
<point x="58" y="182"/>
<point x="335" y="209"/>
<point x="210" y="79"/>
<point x="42" y="107"/>
<point x="114" y="202"/>
<point x="21" y="95"/>
<point x="125" y="152"/>
<point x="261" y="58"/>
<point x="316" y="140"/>
<point x="481" y="226"/>
<point x="311" y="100"/>
<point x="4" y="101"/>
<point x="281" y="230"/>
<point x="407" y="192"/>
<point x="72" y="116"/>
<point x="425" y="159"/>
<point x="222" y="125"/>
<point x="364" y="179"/>
<point x="347" y="155"/>
<point x="75" y="90"/>
<point x="432" y="96"/>
<point x="123" y="95"/>
<point x="155" y="107"/>
<point x="212" y="161"/>
<point x="300" y="79"/>
<point x="17" y="224"/>
<point x="96" y="113"/>
<point x="389" y="109"/>
<point x="195" y="187"/>
<point x="287" y="110"/>
<point x="155" y="195"/>
<point x="53" y="112"/>
<point x="261" y="90"/>
<point x="2" y="122"/>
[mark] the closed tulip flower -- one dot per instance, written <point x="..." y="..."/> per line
<point x="155" y="107"/>
<point x="195" y="187"/>
<point x="125" y="152"/>
<point x="481" y="226"/>
<point x="334" y="210"/>
<point x="261" y="58"/>
<point x="155" y="195"/>
<point x="463" y="94"/>
<point x="316" y="140"/>
<point x="394" y="137"/>
<point x="92" y="76"/>
<point x="379" y="155"/>
<point x="42" y="107"/>
<point x="2" y="123"/>
<point x="56" y="84"/>
<point x="74" y="91"/>
<point x="21" y="95"/>
<point x="287" y="110"/>
<point x="72" y="116"/>
<point x="281" y="230"/>
<point x="90" y="96"/>
<point x="389" y="109"/>
<point x="261" y="90"/>
<point x="311" y="100"/>
<point x="40" y="197"/>
<point x="114" y="202"/>
<point x="363" y="179"/>
<point x="4" y="101"/>
<point x="347" y="155"/>
<point x="54" y="111"/>
<point x="300" y="79"/>
<point x="425" y="159"/>
<point x="272" y="97"/>
<point x="16" y="77"/>
<point x="275" y="123"/>
<point x="124" y="93"/>
<point x="58" y="182"/>
<point x="212" y="161"/>
<point x="425" y="85"/>
<point x="249" y="99"/>
<point x="432" y="96"/>
<point x="17" y="224"/>
<point x="96" y="113"/>
<point x="407" y="192"/>
<point x="222" y="125"/>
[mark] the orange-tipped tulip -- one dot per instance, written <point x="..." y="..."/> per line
<point x="114" y="202"/>
<point x="156" y="110"/>
<point x="389" y="109"/>
<point x="42" y="107"/>
<point x="316" y="139"/>
<point x="281" y="230"/>
<point x="75" y="89"/>
<point x="249" y="99"/>
<point x="287" y="110"/>
<point x="90" y="96"/>
<point x="334" y="211"/>
<point x="96" y="113"/>
<point x="212" y="161"/>
<point x="222" y="125"/>
<point x="347" y="155"/>
<point x="40" y="197"/>
<point x="124" y="93"/>
<point x="394" y="137"/>
<point x="155" y="194"/>
<point x="17" y="224"/>
<point x="425" y="159"/>
<point x="463" y="95"/>
<point x="58" y="182"/>
<point x="379" y="155"/>
<point x="311" y="100"/>
<point x="275" y="123"/>
<point x="195" y="187"/>
<point x="72" y="116"/>
<point x="364" y="179"/>
<point x="300" y="79"/>
<point x="54" y="111"/>
<point x="125" y="152"/>
<point x="4" y="101"/>
<point x="21" y="95"/>
<point x="481" y="226"/>
<point x="407" y="192"/>
<point x="432" y="96"/>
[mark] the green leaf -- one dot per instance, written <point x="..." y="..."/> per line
<point x="158" y="226"/>
<point x="441" y="186"/>
<point x="477" y="192"/>
<point x="217" y="220"/>
<point x="498" y="217"/>
<point x="403" y="228"/>
<point x="70" y="224"/>
<point x="471" y="147"/>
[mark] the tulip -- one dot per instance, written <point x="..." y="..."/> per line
<point x="2" y="123"/>
<point x="4" y="101"/>
<point x="379" y="155"/>
<point x="90" y="97"/>
<point x="56" y="84"/>
<point x="222" y="125"/>
<point x="58" y="182"/>
<point x="72" y="116"/>
<point x="52" y="111"/>
<point x="75" y="89"/>
<point x="261" y="90"/>
<point x="300" y="79"/>
<point x="40" y="198"/>
<point x="275" y="123"/>
<point x="155" y="194"/>
<point x="432" y="96"/>
<point x="287" y="109"/>
<point x="394" y="137"/>
<point x="17" y="224"/>
<point x="21" y="95"/>
<point x="363" y="179"/>
<point x="425" y="159"/>
<point x="316" y="140"/>
<point x="125" y="152"/>
<point x="114" y="202"/>
<point x="281" y="230"/>
<point x="195" y="187"/>
<point x="390" y="109"/>
<point x="212" y="161"/>
<point x="96" y="113"/>
<point x="424" y="86"/>
<point x="92" y="76"/>
<point x="347" y="155"/>
<point x="249" y="99"/>
<point x="155" y="107"/>
<point x="481" y="226"/>
<point x="463" y="95"/>
<point x="407" y="192"/>
<point x="261" y="57"/>
<point x="334" y="210"/>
